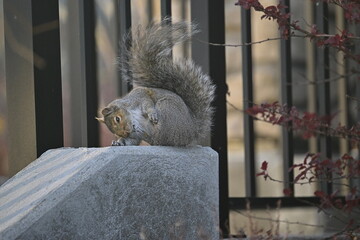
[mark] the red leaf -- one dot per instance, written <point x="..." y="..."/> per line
<point x="335" y="41"/>
<point x="270" y="10"/>
<point x="353" y="191"/>
<point x="253" y="111"/>
<point x="326" y="162"/>
<point x="347" y="157"/>
<point x="314" y="30"/>
<point x="264" y="165"/>
<point x="247" y="4"/>
<point x="308" y="134"/>
<point x="302" y="167"/>
<point x="334" y="194"/>
<point x="287" y="192"/>
<point x="319" y="194"/>
<point x="338" y="203"/>
<point x="302" y="175"/>
<point x="294" y="166"/>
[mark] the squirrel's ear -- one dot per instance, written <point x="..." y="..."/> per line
<point x="108" y="110"/>
<point x="100" y="119"/>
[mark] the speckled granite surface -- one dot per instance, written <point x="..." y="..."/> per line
<point x="114" y="193"/>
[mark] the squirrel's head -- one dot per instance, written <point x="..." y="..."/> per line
<point x="117" y="120"/>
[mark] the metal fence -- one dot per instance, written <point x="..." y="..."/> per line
<point x="34" y="85"/>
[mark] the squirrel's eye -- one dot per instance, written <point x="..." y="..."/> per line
<point x="117" y="119"/>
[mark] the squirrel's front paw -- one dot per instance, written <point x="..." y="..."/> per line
<point x="119" y="142"/>
<point x="153" y="117"/>
<point x="126" y="142"/>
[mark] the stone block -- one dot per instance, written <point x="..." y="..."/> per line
<point x="114" y="193"/>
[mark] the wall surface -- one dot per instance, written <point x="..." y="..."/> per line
<point x="114" y="193"/>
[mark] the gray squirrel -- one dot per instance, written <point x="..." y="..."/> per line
<point x="170" y="103"/>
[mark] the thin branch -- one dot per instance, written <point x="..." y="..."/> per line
<point x="306" y="35"/>
<point x="308" y="82"/>
<point x="344" y="231"/>
<point x="328" y="130"/>
<point x="278" y="220"/>
<point x="323" y="35"/>
<point x="320" y="180"/>
<point x="241" y="44"/>
<point x="234" y="107"/>
<point x="325" y="211"/>
<point x="352" y="98"/>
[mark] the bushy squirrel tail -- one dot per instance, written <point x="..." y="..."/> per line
<point x="147" y="61"/>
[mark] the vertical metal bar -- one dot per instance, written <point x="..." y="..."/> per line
<point x="217" y="72"/>
<point x="342" y="89"/>
<point x="80" y="43"/>
<point x="323" y="87"/>
<point x="355" y="182"/>
<point x="286" y="98"/>
<point x="184" y="13"/>
<point x="20" y="91"/>
<point x="124" y="13"/>
<point x="249" y="136"/>
<point x="166" y="13"/>
<point x="310" y="72"/>
<point x="124" y="16"/>
<point x="166" y="10"/>
<point x="342" y="84"/>
<point x="48" y="95"/>
<point x="73" y="58"/>
<point x="150" y="10"/>
<point x="200" y="52"/>
<point x="33" y="77"/>
<point x="184" y="8"/>
<point x="3" y="132"/>
<point x="91" y="74"/>
<point x="210" y="15"/>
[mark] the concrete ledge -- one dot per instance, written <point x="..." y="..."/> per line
<point x="114" y="193"/>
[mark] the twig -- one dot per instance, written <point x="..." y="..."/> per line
<point x="329" y="215"/>
<point x="241" y="44"/>
<point x="328" y="130"/>
<point x="320" y="180"/>
<point x="278" y="220"/>
<point x="352" y="98"/>
<point x="308" y="82"/>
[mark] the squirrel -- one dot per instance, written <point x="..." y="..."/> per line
<point x="170" y="103"/>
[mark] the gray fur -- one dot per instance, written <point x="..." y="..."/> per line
<point x="178" y="111"/>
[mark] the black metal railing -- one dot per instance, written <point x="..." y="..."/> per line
<point x="33" y="79"/>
